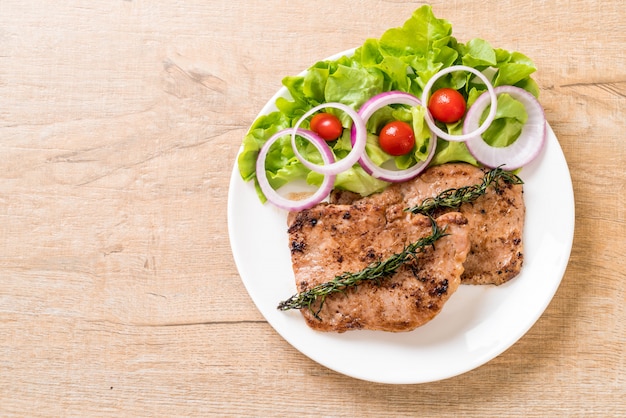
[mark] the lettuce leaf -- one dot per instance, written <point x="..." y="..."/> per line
<point x="507" y="126"/>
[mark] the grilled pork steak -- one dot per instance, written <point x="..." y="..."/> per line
<point x="496" y="220"/>
<point x="331" y="239"/>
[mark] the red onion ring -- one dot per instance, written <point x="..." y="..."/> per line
<point x="525" y="148"/>
<point x="358" y="146"/>
<point x="465" y="136"/>
<point x="365" y="112"/>
<point x="272" y="196"/>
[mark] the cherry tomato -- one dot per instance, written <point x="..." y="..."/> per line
<point x="447" y="105"/>
<point x="397" y="138"/>
<point x="327" y="126"/>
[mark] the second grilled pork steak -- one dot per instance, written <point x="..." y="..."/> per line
<point x="328" y="240"/>
<point x="496" y="220"/>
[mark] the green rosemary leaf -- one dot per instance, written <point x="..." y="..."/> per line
<point x="375" y="272"/>
<point x="454" y="198"/>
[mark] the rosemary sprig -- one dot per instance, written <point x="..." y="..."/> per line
<point x="375" y="271"/>
<point x="454" y="198"/>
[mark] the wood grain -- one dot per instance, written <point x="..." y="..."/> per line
<point x="119" y="126"/>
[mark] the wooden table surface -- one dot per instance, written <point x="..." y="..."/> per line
<point x="120" y="122"/>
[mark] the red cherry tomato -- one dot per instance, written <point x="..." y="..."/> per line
<point x="327" y="126"/>
<point x="397" y="138"/>
<point x="447" y="105"/>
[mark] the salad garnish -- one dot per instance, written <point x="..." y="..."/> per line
<point x="503" y="125"/>
<point x="375" y="157"/>
<point x="516" y="136"/>
<point x="491" y="96"/>
<point x="353" y="155"/>
<point x="264" y="182"/>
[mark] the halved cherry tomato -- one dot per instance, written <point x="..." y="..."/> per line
<point x="447" y="105"/>
<point x="397" y="138"/>
<point x="327" y="126"/>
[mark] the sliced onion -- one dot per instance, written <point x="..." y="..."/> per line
<point x="365" y="112"/>
<point x="465" y="136"/>
<point x="525" y="148"/>
<point x="272" y="196"/>
<point x="358" y="147"/>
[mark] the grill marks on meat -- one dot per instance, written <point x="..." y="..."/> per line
<point x="496" y="220"/>
<point x="331" y="239"/>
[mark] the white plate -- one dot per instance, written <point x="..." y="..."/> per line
<point x="478" y="322"/>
